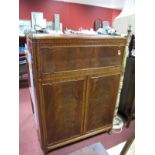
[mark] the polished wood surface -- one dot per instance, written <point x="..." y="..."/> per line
<point x="76" y="80"/>
<point x="57" y="59"/>
<point x="102" y="93"/>
<point x="63" y="109"/>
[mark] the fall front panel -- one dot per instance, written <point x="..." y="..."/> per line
<point x="57" y="59"/>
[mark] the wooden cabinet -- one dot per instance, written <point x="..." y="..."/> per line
<point x="76" y="81"/>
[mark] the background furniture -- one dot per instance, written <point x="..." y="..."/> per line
<point x="127" y="97"/>
<point x="74" y="85"/>
<point x="22" y="61"/>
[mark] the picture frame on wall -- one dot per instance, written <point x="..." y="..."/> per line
<point x="24" y="26"/>
<point x="49" y="25"/>
<point x="36" y="16"/>
<point x="57" y="22"/>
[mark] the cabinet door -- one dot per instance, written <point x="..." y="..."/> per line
<point x="101" y="99"/>
<point x="63" y="104"/>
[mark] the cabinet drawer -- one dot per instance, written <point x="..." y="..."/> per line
<point x="67" y="58"/>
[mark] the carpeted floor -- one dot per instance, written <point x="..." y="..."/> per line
<point x="29" y="144"/>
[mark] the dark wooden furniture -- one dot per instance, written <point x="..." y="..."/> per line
<point x="74" y="85"/>
<point x="22" y="62"/>
<point x="127" y="97"/>
<point x="22" y="40"/>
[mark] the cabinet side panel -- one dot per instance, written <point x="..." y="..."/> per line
<point x="63" y="103"/>
<point x="31" y="52"/>
<point x="102" y="96"/>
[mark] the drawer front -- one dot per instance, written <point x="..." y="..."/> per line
<point x="58" y="59"/>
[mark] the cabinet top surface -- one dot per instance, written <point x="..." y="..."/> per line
<point x="73" y="36"/>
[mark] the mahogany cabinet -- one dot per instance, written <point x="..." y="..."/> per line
<point x="74" y="85"/>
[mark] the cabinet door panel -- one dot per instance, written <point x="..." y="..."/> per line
<point x="63" y="103"/>
<point x="102" y="94"/>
